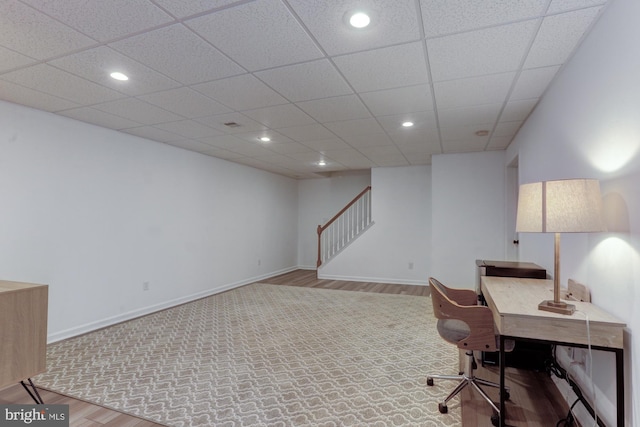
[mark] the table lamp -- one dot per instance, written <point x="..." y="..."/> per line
<point x="563" y="206"/>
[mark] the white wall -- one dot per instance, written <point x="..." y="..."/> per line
<point x="319" y="200"/>
<point x="588" y="125"/>
<point x="468" y="214"/>
<point x="401" y="199"/>
<point x="95" y="213"/>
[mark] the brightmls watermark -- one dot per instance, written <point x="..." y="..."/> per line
<point x="34" y="415"/>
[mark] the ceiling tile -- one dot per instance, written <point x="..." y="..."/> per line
<point x="384" y="68"/>
<point x="241" y="92"/>
<point x="424" y="137"/>
<point x="354" y="127"/>
<point x="153" y="134"/>
<point x="334" y="109"/>
<point x="48" y="79"/>
<point x="32" y="33"/>
<point x="499" y="142"/>
<point x="247" y="148"/>
<point x="222" y="141"/>
<point x="280" y="116"/>
<point x="565" y="5"/>
<point x="189" y="129"/>
<point x="418" y="158"/>
<point x="392" y="22"/>
<point x="466" y="133"/>
<point x="10" y="59"/>
<point x="517" y="110"/>
<point x="490" y="89"/>
<point x="309" y="157"/>
<point x="506" y="129"/>
<point x="104" y="20"/>
<point x="350" y="158"/>
<point x="399" y="100"/>
<point x="32" y="98"/>
<point x="272" y="40"/>
<point x="255" y="137"/>
<point x="179" y="54"/>
<point x="368" y="140"/>
<point x="97" y="65"/>
<point x="275" y="158"/>
<point x="487" y="51"/>
<point x="454" y="16"/>
<point x="327" y="144"/>
<point x="220" y="153"/>
<point x="558" y="37"/>
<point x="421" y="122"/>
<point x="385" y="156"/>
<point x="301" y="82"/>
<point x="420" y="147"/>
<point x="464" y="145"/>
<point x="532" y="83"/>
<point x="314" y="132"/>
<point x="186" y="102"/>
<point x="191" y="145"/>
<point x="182" y="8"/>
<point x="140" y="111"/>
<point x="99" y="118"/>
<point x="289" y="148"/>
<point x="245" y="123"/>
<point x="479" y="114"/>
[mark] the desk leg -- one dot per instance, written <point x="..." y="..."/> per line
<point x="503" y="412"/>
<point x="620" y="387"/>
<point x="35" y="395"/>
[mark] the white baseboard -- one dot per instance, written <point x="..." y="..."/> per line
<point x="395" y="281"/>
<point x="110" y="321"/>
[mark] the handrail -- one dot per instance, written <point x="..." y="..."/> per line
<point x="343" y="210"/>
<point x="322" y="228"/>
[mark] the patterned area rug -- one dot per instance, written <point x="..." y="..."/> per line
<point x="267" y="355"/>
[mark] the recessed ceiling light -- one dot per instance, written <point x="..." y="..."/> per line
<point x="264" y="139"/>
<point x="407" y="124"/>
<point x="322" y="163"/>
<point x="119" y="76"/>
<point x="359" y="20"/>
<point x="482" y="132"/>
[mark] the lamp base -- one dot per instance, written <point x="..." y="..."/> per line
<point x="559" y="307"/>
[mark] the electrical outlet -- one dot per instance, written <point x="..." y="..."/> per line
<point x="259" y="262"/>
<point x="145" y="286"/>
<point x="410" y="265"/>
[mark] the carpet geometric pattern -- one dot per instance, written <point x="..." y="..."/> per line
<point x="267" y="355"/>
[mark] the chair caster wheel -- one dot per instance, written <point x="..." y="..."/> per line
<point x="429" y="381"/>
<point x="442" y="408"/>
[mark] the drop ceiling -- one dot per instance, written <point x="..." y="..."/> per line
<point x="214" y="76"/>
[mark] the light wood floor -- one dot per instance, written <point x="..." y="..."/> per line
<point x="534" y="399"/>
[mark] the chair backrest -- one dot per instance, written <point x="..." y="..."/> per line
<point x="447" y="307"/>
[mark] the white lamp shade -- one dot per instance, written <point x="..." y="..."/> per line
<point x="563" y="206"/>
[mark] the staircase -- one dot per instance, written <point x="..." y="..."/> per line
<point x="353" y="220"/>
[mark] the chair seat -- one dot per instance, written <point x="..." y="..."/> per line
<point x="455" y="330"/>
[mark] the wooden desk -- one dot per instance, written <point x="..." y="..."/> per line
<point x="514" y="304"/>
<point x="23" y="331"/>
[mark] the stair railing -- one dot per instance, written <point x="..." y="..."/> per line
<point x="344" y="227"/>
